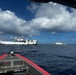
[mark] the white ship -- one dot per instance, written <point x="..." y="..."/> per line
<point x="59" y="43"/>
<point x="19" y="42"/>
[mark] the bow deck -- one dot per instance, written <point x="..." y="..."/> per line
<point x="13" y="64"/>
<point x="16" y="64"/>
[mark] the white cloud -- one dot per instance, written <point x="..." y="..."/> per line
<point x="55" y="17"/>
<point x="53" y="32"/>
<point x="49" y="17"/>
<point x="33" y="7"/>
<point x="10" y="23"/>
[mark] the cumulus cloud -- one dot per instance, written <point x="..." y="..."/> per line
<point x="10" y="23"/>
<point x="50" y="17"/>
<point x="56" y="17"/>
<point x="53" y="17"/>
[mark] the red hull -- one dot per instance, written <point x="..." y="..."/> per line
<point x="42" y="71"/>
<point x="33" y="64"/>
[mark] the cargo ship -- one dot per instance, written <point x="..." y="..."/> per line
<point x="19" y="42"/>
<point x="15" y="64"/>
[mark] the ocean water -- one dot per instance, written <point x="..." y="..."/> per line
<point x="56" y="59"/>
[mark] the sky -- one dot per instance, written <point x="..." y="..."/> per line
<point x="45" y="22"/>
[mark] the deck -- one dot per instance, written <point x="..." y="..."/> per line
<point x="13" y="64"/>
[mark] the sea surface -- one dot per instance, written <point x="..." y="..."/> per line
<point x="56" y="59"/>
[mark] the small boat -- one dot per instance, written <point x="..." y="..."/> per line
<point x="15" y="64"/>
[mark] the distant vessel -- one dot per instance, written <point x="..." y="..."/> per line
<point x="59" y="43"/>
<point x="19" y="42"/>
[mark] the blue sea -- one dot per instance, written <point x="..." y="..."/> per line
<point x="56" y="59"/>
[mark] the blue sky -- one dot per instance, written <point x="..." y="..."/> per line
<point x="47" y="22"/>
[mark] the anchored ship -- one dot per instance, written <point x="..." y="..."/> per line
<point x="19" y="42"/>
<point x="15" y="64"/>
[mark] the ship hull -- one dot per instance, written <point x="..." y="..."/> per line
<point x="18" y="64"/>
<point x="16" y="43"/>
